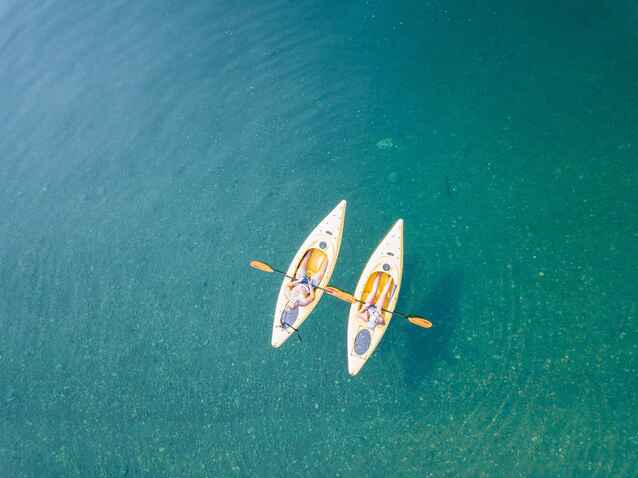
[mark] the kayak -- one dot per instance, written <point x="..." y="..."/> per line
<point x="386" y="263"/>
<point x="323" y="246"/>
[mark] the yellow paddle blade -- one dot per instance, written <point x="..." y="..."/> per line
<point x="261" y="266"/>
<point x="339" y="294"/>
<point x="420" y="321"/>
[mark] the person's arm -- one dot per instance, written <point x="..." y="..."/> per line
<point x="381" y="317"/>
<point x="293" y="283"/>
<point x="362" y="314"/>
<point x="307" y="300"/>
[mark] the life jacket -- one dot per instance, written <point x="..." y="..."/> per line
<point x="374" y="317"/>
<point x="307" y="283"/>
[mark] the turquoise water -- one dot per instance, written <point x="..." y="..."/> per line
<point x="149" y="150"/>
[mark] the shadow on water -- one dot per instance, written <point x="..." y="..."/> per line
<point x="426" y="348"/>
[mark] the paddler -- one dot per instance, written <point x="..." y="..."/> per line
<point x="371" y="311"/>
<point x="302" y="289"/>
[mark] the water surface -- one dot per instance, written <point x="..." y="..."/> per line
<point x="149" y="150"/>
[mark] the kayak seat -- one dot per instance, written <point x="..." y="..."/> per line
<point x="315" y="261"/>
<point x="367" y="290"/>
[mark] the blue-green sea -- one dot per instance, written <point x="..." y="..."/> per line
<point x="149" y="150"/>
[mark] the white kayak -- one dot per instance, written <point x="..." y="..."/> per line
<point x="385" y="264"/>
<point x="322" y="246"/>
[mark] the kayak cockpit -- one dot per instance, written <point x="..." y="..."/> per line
<point x="384" y="278"/>
<point x="315" y="263"/>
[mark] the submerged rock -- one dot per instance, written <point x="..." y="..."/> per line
<point x="386" y="143"/>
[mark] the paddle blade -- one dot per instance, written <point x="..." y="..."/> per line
<point x="339" y="294"/>
<point x="420" y="321"/>
<point x="261" y="266"/>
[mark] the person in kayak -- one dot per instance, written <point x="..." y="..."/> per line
<point x="371" y="312"/>
<point x="302" y="289"/>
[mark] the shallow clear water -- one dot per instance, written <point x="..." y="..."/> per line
<point x="149" y="150"/>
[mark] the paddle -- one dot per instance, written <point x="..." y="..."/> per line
<point x="345" y="296"/>
<point x="262" y="266"/>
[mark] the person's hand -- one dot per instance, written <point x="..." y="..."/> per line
<point x="293" y="295"/>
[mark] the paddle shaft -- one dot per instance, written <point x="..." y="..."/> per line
<point x="292" y="278"/>
<point x="382" y="309"/>
<point x="353" y="297"/>
<point x="401" y="314"/>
